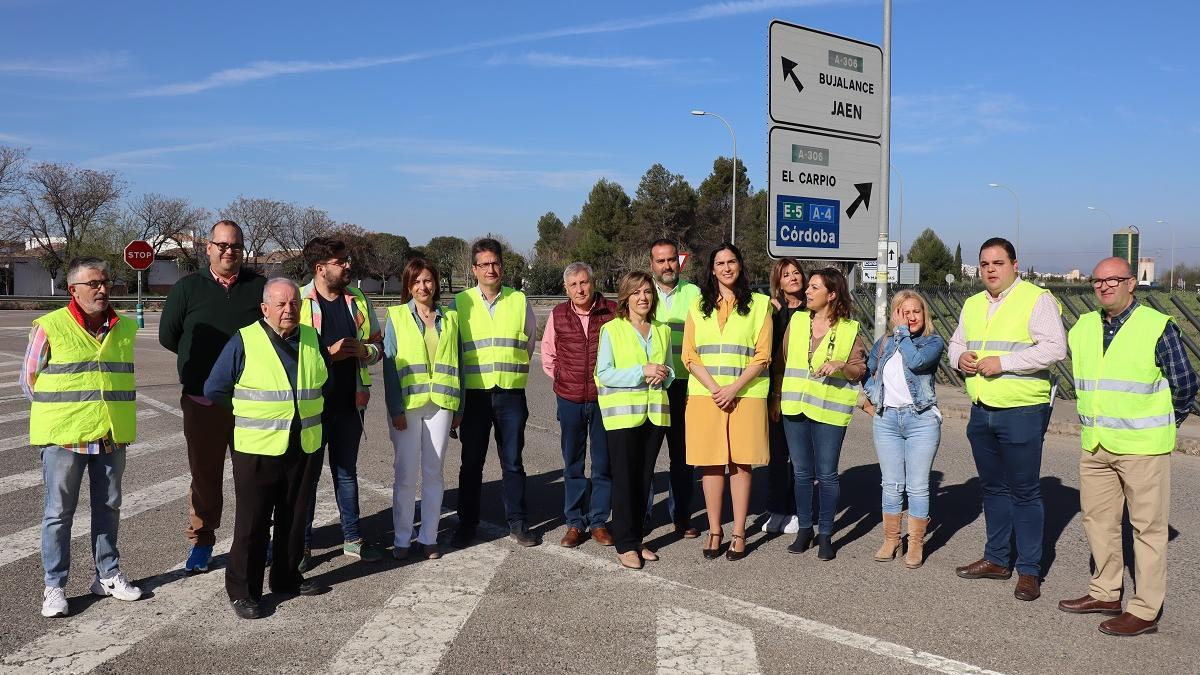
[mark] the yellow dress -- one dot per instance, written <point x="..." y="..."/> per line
<point x="715" y="437"/>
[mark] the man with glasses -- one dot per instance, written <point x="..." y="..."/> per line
<point x="202" y="311"/>
<point x="1135" y="386"/>
<point x="1008" y="338"/>
<point x="78" y="373"/>
<point x="349" y="330"/>
<point x="497" y="328"/>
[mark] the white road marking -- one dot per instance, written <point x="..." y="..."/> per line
<point x="87" y="641"/>
<point x="165" y="407"/>
<point x="22" y="441"/>
<point x="27" y="542"/>
<point x="694" y="642"/>
<point x="419" y="622"/>
<point x="33" y="477"/>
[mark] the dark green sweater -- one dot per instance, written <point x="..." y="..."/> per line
<point x="200" y="316"/>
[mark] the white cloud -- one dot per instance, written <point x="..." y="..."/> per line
<point x="930" y="122"/>
<point x="459" y="176"/>
<point x="147" y="158"/>
<point x="262" y="70"/>
<point x="86" y="66"/>
<point x="545" y="60"/>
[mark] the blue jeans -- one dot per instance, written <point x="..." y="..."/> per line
<point x="62" y="473"/>
<point x="906" y="442"/>
<point x="342" y="432"/>
<point x="815" y="448"/>
<point x="506" y="411"/>
<point x="1007" y="446"/>
<point x="576" y="422"/>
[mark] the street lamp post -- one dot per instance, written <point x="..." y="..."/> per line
<point x="1017" y="201"/>
<point x="1171" y="289"/>
<point x="1106" y="214"/>
<point x="900" y="224"/>
<point x="733" y="209"/>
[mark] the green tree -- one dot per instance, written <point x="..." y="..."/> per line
<point x="958" y="260"/>
<point x="544" y="278"/>
<point x="665" y="207"/>
<point x="933" y="256"/>
<point x="604" y="220"/>
<point x="451" y="255"/>
<point x="390" y="254"/>
<point x="549" y="246"/>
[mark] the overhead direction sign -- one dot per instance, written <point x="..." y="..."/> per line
<point x="820" y="193"/>
<point x="824" y="81"/>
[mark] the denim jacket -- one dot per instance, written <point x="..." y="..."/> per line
<point x="920" y="355"/>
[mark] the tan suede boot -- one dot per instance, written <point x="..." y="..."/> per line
<point x="915" y="557"/>
<point x="891" y="538"/>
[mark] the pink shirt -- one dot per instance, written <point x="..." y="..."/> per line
<point x="1045" y="327"/>
<point x="548" y="352"/>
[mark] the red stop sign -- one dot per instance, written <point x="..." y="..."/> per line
<point x="139" y="254"/>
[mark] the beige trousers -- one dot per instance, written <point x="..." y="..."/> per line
<point x="1108" y="482"/>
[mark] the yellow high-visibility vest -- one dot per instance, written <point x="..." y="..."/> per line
<point x="1124" y="401"/>
<point x="494" y="347"/>
<point x="823" y="399"/>
<point x="86" y="392"/>
<point x="420" y="380"/>
<point x="726" y="353"/>
<point x="364" y="331"/>
<point x="1007" y="331"/>
<point x="264" y="402"/>
<point x="630" y="407"/>
<point x="684" y="296"/>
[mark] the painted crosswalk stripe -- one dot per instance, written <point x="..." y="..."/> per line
<point x="84" y="642"/>
<point x="165" y="407"/>
<point x="27" y="542"/>
<point x="418" y="624"/>
<point x="694" y="642"/>
<point x="27" y="479"/>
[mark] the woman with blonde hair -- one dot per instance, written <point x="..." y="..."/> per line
<point x="787" y="298"/>
<point x="633" y="372"/>
<point x="908" y="425"/>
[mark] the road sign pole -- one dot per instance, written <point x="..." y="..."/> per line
<point x="885" y="140"/>
<point x="141" y="316"/>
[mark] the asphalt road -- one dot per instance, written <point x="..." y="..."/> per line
<point x="496" y="607"/>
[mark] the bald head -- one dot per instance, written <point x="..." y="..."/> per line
<point x="1112" y="267"/>
<point x="1113" y="282"/>
<point x="281" y="305"/>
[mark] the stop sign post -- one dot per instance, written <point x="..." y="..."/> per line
<point x="139" y="255"/>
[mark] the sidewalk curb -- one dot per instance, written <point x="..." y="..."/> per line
<point x="1183" y="445"/>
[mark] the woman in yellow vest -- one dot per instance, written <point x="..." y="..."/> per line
<point x="787" y="298"/>
<point x="727" y="348"/>
<point x="422" y="391"/>
<point x="822" y="359"/>
<point x="633" y="371"/>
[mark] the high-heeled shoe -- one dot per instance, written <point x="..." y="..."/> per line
<point x="715" y="552"/>
<point x="825" y="550"/>
<point x="803" y="540"/>
<point x="732" y="554"/>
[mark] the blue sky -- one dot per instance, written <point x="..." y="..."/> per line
<point x="461" y="118"/>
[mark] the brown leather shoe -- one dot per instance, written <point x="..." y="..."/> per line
<point x="983" y="569"/>
<point x="686" y="531"/>
<point x="1128" y="625"/>
<point x="1089" y="605"/>
<point x="602" y="536"/>
<point x="1028" y="587"/>
<point x="572" y="538"/>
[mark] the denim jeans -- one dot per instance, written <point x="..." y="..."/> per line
<point x="62" y="473"/>
<point x="578" y="421"/>
<point x="507" y="411"/>
<point x="1007" y="446"/>
<point x="815" y="448"/>
<point x="906" y="442"/>
<point x="342" y="431"/>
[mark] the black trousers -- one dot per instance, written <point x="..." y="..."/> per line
<point x="505" y="411"/>
<point x="631" y="457"/>
<point x="682" y="474"/>
<point x="265" y="485"/>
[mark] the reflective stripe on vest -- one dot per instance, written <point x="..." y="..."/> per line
<point x="1124" y="401"/>
<point x="86" y="392"/>
<point x="418" y="385"/>
<point x="630" y="407"/>
<point x="494" y="346"/>
<point x="1006" y="332"/>
<point x="364" y="331"/>
<point x="264" y="405"/>
<point x="726" y="353"/>
<point x="675" y="317"/>
<point x="823" y="399"/>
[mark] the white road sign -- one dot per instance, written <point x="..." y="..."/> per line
<point x="820" y="193"/>
<point x="824" y="81"/>
<point x="869" y="267"/>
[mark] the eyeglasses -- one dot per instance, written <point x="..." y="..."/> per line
<point x="223" y="247"/>
<point x="1110" y="282"/>
<point x="95" y="284"/>
<point x="488" y="265"/>
<point x="340" y="262"/>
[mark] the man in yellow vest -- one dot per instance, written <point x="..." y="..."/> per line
<point x="675" y="298"/>
<point x="349" y="330"/>
<point x="1008" y="338"/>
<point x="78" y="374"/>
<point x="1135" y="385"/>
<point x="497" y="329"/>
<point x="273" y="374"/>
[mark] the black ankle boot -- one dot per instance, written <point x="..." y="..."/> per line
<point x="825" y="547"/>
<point x="803" y="540"/>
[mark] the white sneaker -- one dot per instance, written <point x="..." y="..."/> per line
<point x="116" y="586"/>
<point x="791" y="525"/>
<point x="774" y="522"/>
<point x="54" y="602"/>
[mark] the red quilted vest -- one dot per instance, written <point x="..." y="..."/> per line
<point x="574" y="352"/>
